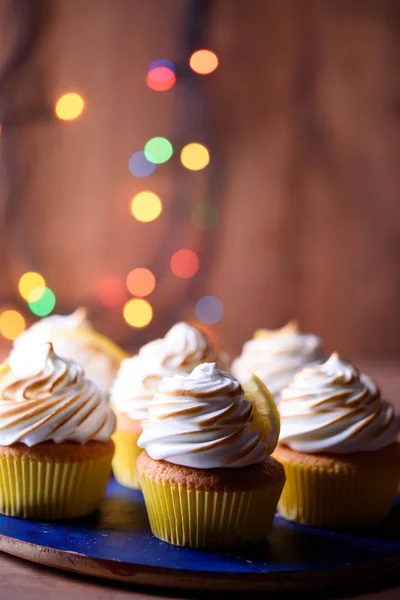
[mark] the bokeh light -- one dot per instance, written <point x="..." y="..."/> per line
<point x="146" y="206"/>
<point x="162" y="62"/>
<point x="12" y="323"/>
<point x="138" y="312"/>
<point x="158" y="150"/>
<point x="205" y="215"/>
<point x="209" y="310"/>
<point x="195" y="156"/>
<point x="139" y="166"/>
<point x="69" y="106"/>
<point x="44" y="305"/>
<point x="29" y="282"/>
<point x="160" y="79"/>
<point x="111" y="292"/>
<point x="203" y="62"/>
<point x="184" y="263"/>
<point x="140" y="282"/>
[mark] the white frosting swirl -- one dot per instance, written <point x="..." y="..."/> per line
<point x="98" y="365"/>
<point x="335" y="409"/>
<point x="275" y="356"/>
<point x="47" y="398"/>
<point x="182" y="348"/>
<point x="202" y="420"/>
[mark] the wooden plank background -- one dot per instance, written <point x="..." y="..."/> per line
<point x="302" y="118"/>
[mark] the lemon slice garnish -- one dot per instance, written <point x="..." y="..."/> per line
<point x="4" y="369"/>
<point x="96" y="340"/>
<point x="265" y="412"/>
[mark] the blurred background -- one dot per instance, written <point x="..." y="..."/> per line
<point x="237" y="187"/>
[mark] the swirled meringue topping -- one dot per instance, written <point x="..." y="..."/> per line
<point x="47" y="398"/>
<point x="202" y="420"/>
<point x="334" y="408"/>
<point x="182" y="348"/>
<point x="276" y="355"/>
<point x="98" y="365"/>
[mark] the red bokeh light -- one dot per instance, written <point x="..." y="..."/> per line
<point x="160" y="79"/>
<point x="184" y="263"/>
<point x="111" y="293"/>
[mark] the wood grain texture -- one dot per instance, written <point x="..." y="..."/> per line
<point x="305" y="133"/>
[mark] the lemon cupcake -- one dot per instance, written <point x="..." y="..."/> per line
<point x="206" y="474"/>
<point x="73" y="337"/>
<point x="276" y="355"/>
<point x="55" y="430"/>
<point x="182" y="348"/>
<point x="338" y="446"/>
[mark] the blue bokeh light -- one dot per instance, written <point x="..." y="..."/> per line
<point x="209" y="310"/>
<point x="162" y="62"/>
<point x="139" y="166"/>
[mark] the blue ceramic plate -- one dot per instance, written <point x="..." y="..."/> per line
<point x="116" y="543"/>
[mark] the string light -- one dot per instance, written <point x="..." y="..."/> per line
<point x="44" y="305"/>
<point x="138" y="312"/>
<point x="158" y="150"/>
<point x="184" y="263"/>
<point x="209" y="310"/>
<point x="205" y="215"/>
<point x="12" y="323"/>
<point x="203" y="62"/>
<point x="139" y="166"/>
<point x="146" y="206"/>
<point x="140" y="282"/>
<point x="111" y="292"/>
<point x="69" y="106"/>
<point x="195" y="156"/>
<point x="30" y="281"/>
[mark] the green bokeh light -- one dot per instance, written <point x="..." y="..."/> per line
<point x="44" y="305"/>
<point x="205" y="215"/>
<point x="158" y="150"/>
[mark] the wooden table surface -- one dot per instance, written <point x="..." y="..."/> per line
<point x="22" y="580"/>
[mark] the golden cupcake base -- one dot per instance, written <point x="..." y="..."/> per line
<point x="53" y="481"/>
<point x="343" y="491"/>
<point x="210" y="508"/>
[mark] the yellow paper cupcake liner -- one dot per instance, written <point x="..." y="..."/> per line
<point x="337" y="497"/>
<point x="124" y="461"/>
<point x="45" y="490"/>
<point x="200" y="519"/>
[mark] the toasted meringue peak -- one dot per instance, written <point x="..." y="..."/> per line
<point x="334" y="408"/>
<point x="202" y="420"/>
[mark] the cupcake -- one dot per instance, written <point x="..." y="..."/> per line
<point x="338" y="446"/>
<point x="205" y="472"/>
<point x="182" y="348"/>
<point x="55" y="430"/>
<point x="276" y="356"/>
<point x="73" y="337"/>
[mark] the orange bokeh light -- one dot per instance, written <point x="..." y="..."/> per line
<point x="184" y="263"/>
<point x="203" y="62"/>
<point x="140" y="282"/>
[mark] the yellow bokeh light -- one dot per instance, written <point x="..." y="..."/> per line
<point x="146" y="206"/>
<point x="203" y="62"/>
<point x="195" y="157"/>
<point x="138" y="312"/>
<point x="69" y="106"/>
<point x="12" y="323"/>
<point x="30" y="281"/>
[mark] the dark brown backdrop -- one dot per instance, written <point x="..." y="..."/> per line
<point x="304" y="110"/>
